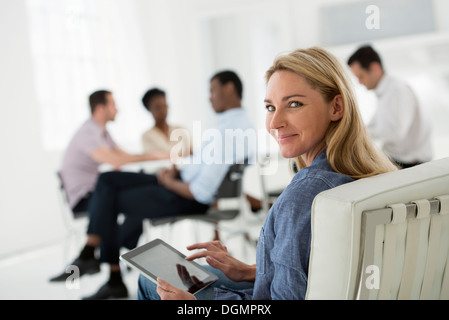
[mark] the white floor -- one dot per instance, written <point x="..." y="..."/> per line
<point x="26" y="276"/>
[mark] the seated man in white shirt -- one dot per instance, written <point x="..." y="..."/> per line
<point x="191" y="190"/>
<point x="399" y="123"/>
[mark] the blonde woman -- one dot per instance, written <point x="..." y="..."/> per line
<point x="313" y="115"/>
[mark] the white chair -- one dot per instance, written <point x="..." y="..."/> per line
<point x="265" y="181"/>
<point x="269" y="192"/>
<point x="76" y="225"/>
<point x="384" y="237"/>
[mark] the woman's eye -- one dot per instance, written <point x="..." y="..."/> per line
<point x="270" y="108"/>
<point x="295" y="104"/>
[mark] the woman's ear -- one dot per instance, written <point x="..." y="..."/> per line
<point x="337" y="108"/>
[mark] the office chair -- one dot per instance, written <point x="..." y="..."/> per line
<point x="270" y="194"/>
<point x="383" y="237"/>
<point x="227" y="205"/>
<point x="75" y="224"/>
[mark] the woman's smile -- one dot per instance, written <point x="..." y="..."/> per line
<point x="286" y="138"/>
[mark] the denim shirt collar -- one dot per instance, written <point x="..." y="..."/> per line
<point x="320" y="162"/>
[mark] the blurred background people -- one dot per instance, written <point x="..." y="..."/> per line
<point x="399" y="123"/>
<point x="91" y="146"/>
<point x="171" y="192"/>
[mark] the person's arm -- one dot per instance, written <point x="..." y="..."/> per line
<point x="117" y="157"/>
<point x="287" y="238"/>
<point x="146" y="156"/>
<point x="168" y="179"/>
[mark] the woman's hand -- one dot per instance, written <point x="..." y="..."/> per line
<point x="169" y="292"/>
<point x="217" y="256"/>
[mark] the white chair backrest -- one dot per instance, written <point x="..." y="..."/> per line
<point x="384" y="237"/>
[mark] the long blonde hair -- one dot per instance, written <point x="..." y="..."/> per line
<point x="350" y="150"/>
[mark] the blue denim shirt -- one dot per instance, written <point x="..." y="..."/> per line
<point x="283" y="248"/>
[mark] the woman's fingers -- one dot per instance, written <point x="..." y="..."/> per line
<point x="211" y="245"/>
<point x="203" y="254"/>
<point x="216" y="263"/>
<point x="164" y="289"/>
<point x="169" y="292"/>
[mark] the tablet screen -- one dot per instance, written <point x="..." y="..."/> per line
<point x="158" y="259"/>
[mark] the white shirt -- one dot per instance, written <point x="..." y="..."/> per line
<point x="230" y="143"/>
<point x="399" y="123"/>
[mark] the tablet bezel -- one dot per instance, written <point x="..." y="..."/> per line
<point x="128" y="259"/>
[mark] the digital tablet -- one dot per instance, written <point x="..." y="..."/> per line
<point x="159" y="259"/>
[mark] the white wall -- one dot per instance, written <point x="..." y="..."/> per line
<point x="28" y="200"/>
<point x="184" y="43"/>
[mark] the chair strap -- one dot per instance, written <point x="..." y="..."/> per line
<point x="442" y="265"/>
<point x="415" y="252"/>
<point x="393" y="255"/>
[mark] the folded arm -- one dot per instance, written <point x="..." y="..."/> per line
<point x="169" y="178"/>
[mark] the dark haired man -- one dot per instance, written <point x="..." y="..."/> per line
<point x="170" y="193"/>
<point x="222" y="85"/>
<point x="399" y="122"/>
